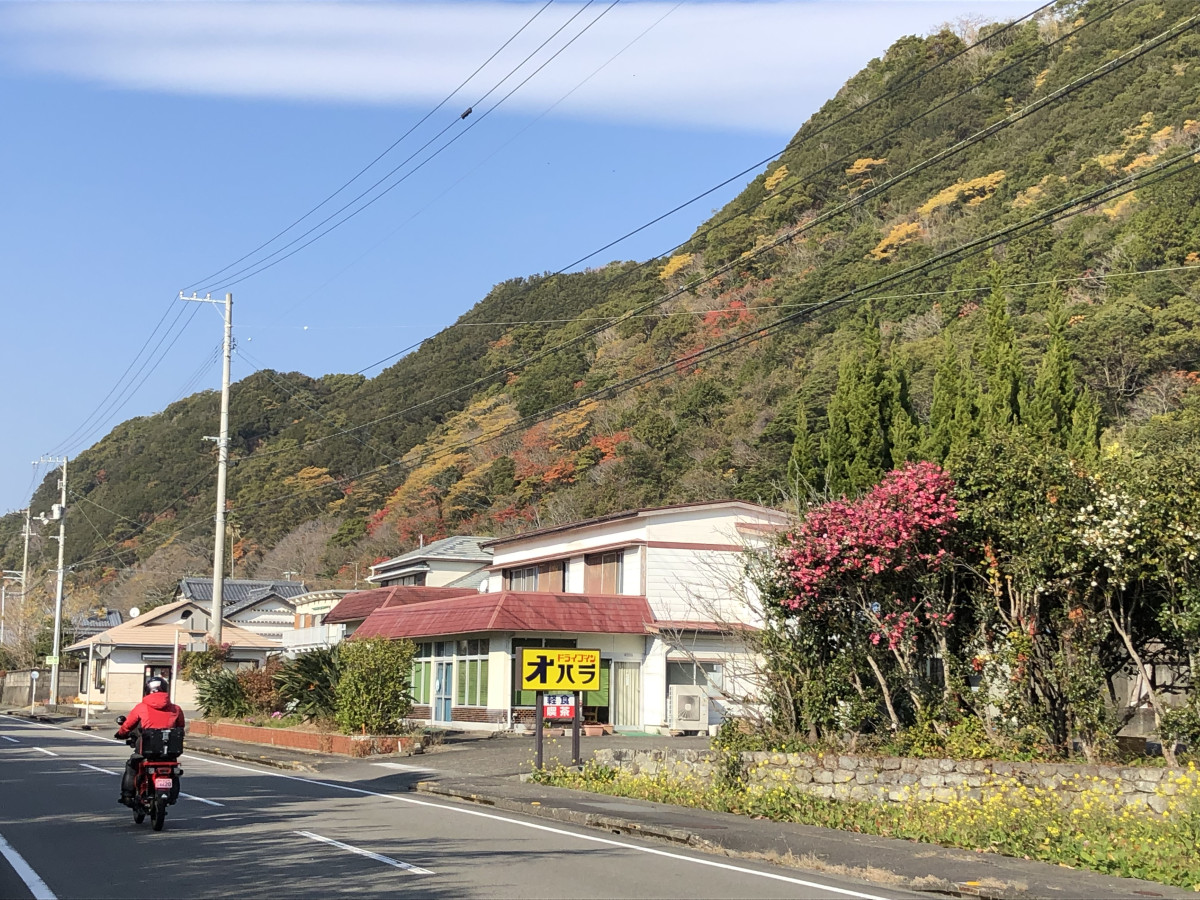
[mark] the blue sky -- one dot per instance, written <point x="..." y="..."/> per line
<point x="147" y="145"/>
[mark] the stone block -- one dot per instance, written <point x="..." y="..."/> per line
<point x="802" y="776"/>
<point x="953" y="779"/>
<point x="841" y="776"/>
<point x="944" y="795"/>
<point x="848" y="762"/>
<point x="1157" y="803"/>
<point x="947" y="765"/>
<point x="931" y="781"/>
<point x="822" y="776"/>
<point x="897" y="796"/>
<point x="889" y="764"/>
<point x="823" y="790"/>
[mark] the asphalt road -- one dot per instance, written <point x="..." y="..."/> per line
<point x="241" y="831"/>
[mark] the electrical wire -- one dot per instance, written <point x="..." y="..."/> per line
<point x="875" y="190"/>
<point x="273" y="259"/>
<point x="1083" y="203"/>
<point x="388" y="150"/>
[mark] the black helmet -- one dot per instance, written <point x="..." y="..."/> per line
<point x="155" y="685"/>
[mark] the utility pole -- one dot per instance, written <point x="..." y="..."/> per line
<point x="218" y="588"/>
<point x="58" y="511"/>
<point x="5" y="577"/>
<point x="25" y="566"/>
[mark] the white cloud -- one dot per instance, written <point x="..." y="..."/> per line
<point x="759" y="66"/>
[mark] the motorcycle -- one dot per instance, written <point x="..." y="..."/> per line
<point x="157" y="771"/>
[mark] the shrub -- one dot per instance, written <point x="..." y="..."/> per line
<point x="373" y="693"/>
<point x="220" y="694"/>
<point x="308" y="683"/>
<point x="258" y="687"/>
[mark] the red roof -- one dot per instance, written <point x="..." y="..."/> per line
<point x="522" y="611"/>
<point x="356" y="606"/>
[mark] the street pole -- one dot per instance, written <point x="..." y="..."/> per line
<point x="87" y="703"/>
<point x="218" y="588"/>
<point x="25" y="569"/>
<point x="60" y="513"/>
<point x="3" y="590"/>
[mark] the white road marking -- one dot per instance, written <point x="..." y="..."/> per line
<point x="201" y="799"/>
<point x="379" y="857"/>
<point x="10" y="740"/>
<point x="403" y="768"/>
<point x="446" y="807"/>
<point x="98" y="769"/>
<point x="32" y="880"/>
<point x="44" y="750"/>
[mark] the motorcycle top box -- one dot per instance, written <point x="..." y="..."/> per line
<point x="161" y="743"/>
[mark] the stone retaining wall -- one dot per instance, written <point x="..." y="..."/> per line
<point x="344" y="744"/>
<point x="894" y="779"/>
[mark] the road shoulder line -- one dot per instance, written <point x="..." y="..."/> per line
<point x="25" y="872"/>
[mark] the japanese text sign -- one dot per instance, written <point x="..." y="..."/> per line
<point x="559" y="670"/>
<point x="558" y="706"/>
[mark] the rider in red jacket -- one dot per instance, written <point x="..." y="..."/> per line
<point x="155" y="711"/>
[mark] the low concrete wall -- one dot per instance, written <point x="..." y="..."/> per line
<point x="344" y="744"/>
<point x="15" y="687"/>
<point x="894" y="779"/>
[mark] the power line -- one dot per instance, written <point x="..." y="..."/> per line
<point x="273" y="259"/>
<point x="1083" y="203"/>
<point x="875" y="190"/>
<point x="388" y="150"/>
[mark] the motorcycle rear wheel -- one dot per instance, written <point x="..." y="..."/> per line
<point x="159" y="811"/>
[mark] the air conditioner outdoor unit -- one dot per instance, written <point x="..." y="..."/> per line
<point x="687" y="708"/>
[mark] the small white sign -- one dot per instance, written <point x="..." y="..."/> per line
<point x="35" y="675"/>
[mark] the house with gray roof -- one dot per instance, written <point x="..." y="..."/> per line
<point x="459" y="561"/>
<point x="265" y="608"/>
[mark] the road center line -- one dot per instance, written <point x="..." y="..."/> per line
<point x="536" y="826"/>
<point x="32" y="880"/>
<point x="44" y="750"/>
<point x="10" y="740"/>
<point x="379" y="857"/>
<point x="98" y="769"/>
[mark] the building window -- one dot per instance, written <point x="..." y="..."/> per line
<point x="422" y="673"/>
<point x="523" y="579"/>
<point x="415" y="578"/>
<point x="602" y="572"/>
<point x="471" y="664"/>
<point x="548" y="577"/>
<point x="705" y="674"/>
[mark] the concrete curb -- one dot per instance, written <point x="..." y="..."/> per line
<point x="614" y="824"/>
<point x="291" y="765"/>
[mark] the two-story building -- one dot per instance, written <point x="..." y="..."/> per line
<point x="460" y="561"/>
<point x="662" y="593"/>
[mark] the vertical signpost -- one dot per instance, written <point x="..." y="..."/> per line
<point x="551" y="674"/>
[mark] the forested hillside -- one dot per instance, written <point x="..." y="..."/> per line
<point x="980" y="228"/>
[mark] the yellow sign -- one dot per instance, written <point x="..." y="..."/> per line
<point x="559" y="670"/>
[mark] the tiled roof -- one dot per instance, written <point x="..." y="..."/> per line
<point x="465" y="547"/>
<point x="470" y="581"/>
<point x="257" y="596"/>
<point x="236" y="590"/>
<point x="143" y="632"/>
<point x="520" y="611"/>
<point x="86" y="626"/>
<point x="356" y="606"/>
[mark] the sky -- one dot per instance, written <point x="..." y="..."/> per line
<point x="151" y="147"/>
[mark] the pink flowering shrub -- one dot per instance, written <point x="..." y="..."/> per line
<point x="882" y="567"/>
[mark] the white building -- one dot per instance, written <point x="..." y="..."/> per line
<point x="458" y="561"/>
<point x="123" y="657"/>
<point x="660" y="592"/>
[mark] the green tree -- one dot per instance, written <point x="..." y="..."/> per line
<point x="803" y="472"/>
<point x="1049" y="404"/>
<point x="947" y="384"/>
<point x="1001" y="406"/>
<point x="373" y="692"/>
